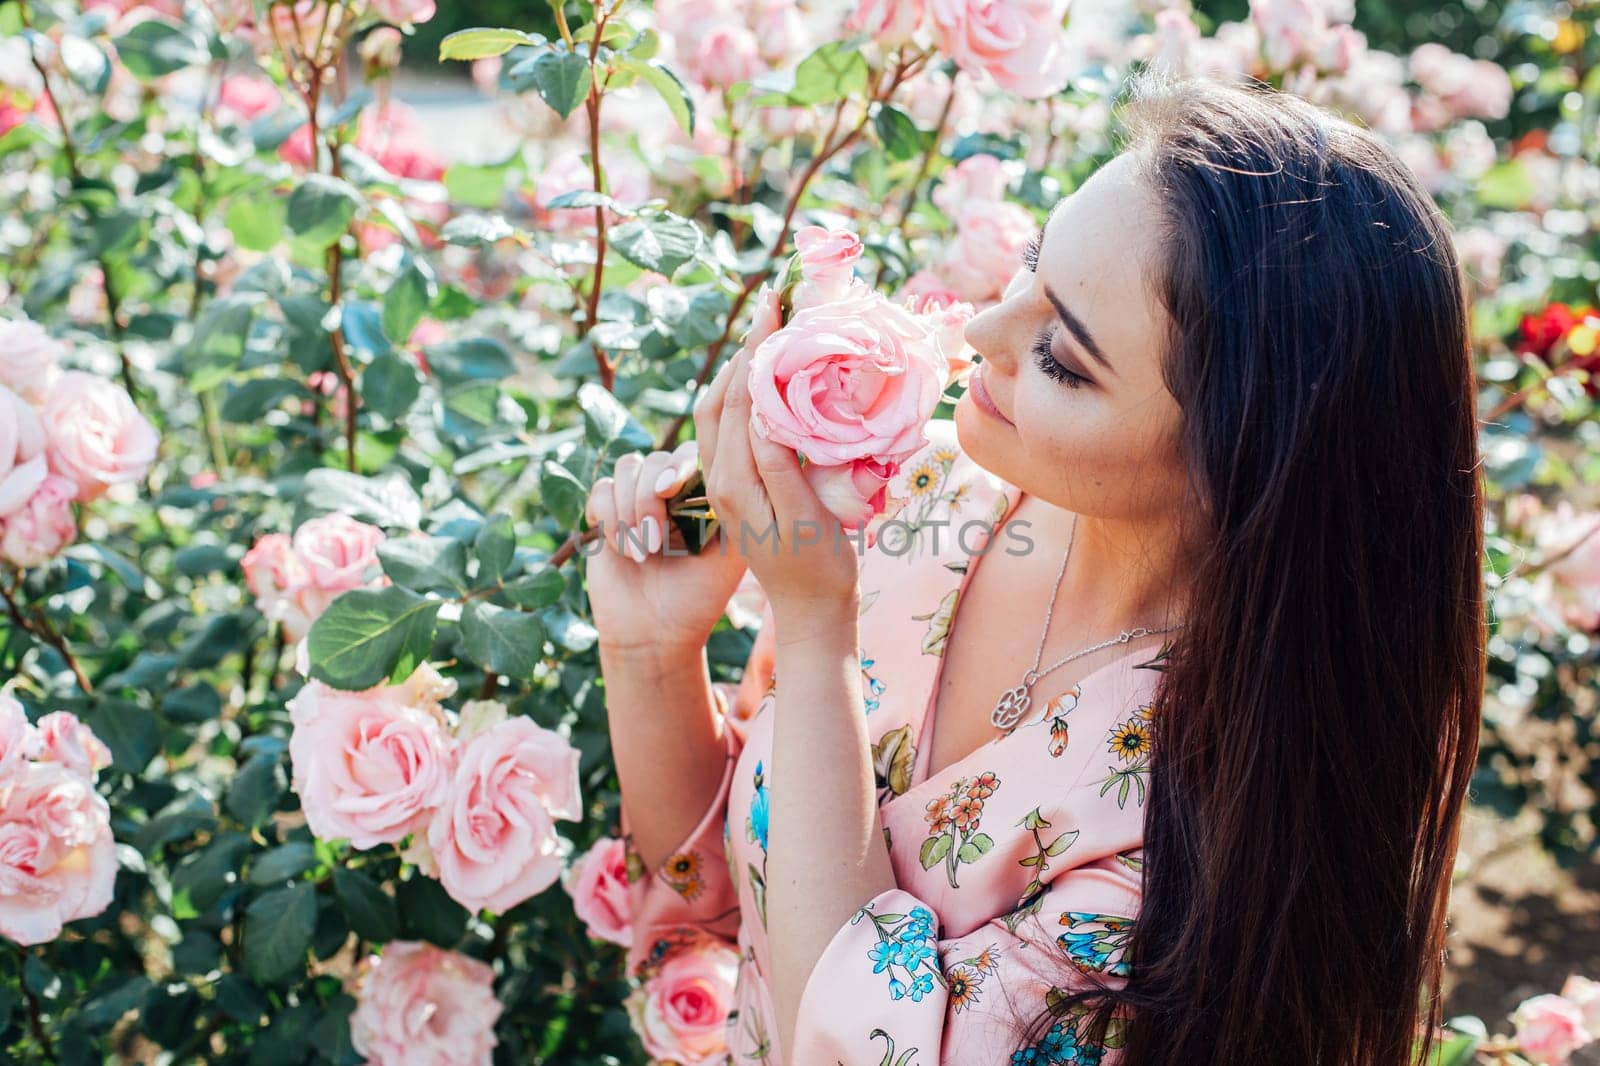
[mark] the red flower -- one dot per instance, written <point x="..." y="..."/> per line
<point x="1540" y="332"/>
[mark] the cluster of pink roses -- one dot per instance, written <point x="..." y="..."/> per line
<point x="66" y="436"/>
<point x="295" y="578"/>
<point x="477" y="802"/>
<point x="846" y="376"/>
<point x="1019" y="44"/>
<point x="58" y="861"/>
<point x="1551" y="1027"/>
<point x="991" y="233"/>
<point x="421" y="1004"/>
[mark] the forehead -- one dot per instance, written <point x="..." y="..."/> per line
<point x="1098" y="244"/>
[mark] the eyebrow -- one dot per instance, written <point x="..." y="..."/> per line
<point x="1078" y="330"/>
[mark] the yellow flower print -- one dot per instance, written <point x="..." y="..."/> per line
<point x="945" y="455"/>
<point x="682" y="872"/>
<point x="963" y="985"/>
<point x="1130" y="740"/>
<point x="923" y="480"/>
<point x="959" y="496"/>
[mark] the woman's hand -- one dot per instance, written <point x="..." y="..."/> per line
<point x="769" y="513"/>
<point x="648" y="600"/>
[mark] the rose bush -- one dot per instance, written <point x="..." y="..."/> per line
<point x="299" y="405"/>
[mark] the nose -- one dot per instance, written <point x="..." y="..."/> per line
<point x="994" y="332"/>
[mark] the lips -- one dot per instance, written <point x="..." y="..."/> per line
<point x="981" y="397"/>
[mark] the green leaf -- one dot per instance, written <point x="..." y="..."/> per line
<point x="661" y="242"/>
<point x="481" y="43"/>
<point x="103" y="1010"/>
<point x="495" y="544"/>
<point x="981" y="842"/>
<point x="154" y="48"/>
<point x="470" y="359"/>
<point x="934" y="849"/>
<point x="248" y="401"/>
<point x="426" y="564"/>
<point x="385" y="501"/>
<point x="1062" y="843"/>
<point x="481" y="186"/>
<point x="900" y="136"/>
<point x="254" y="792"/>
<point x="407" y="300"/>
<point x="539" y="589"/>
<point x="390" y="385"/>
<point x="132" y="732"/>
<point x="427" y="911"/>
<point x="367" y="635"/>
<point x="208" y="873"/>
<point x="257" y="219"/>
<point x="191" y="705"/>
<point x="833" y="72"/>
<point x="664" y="82"/>
<point x="502" y="640"/>
<point x="213" y="352"/>
<point x="476" y="231"/>
<point x="1505" y="186"/>
<point x="283" y="863"/>
<point x="277" y="931"/>
<point x="321" y="207"/>
<point x="563" y="80"/>
<point x="371" y="911"/>
<point x="561" y="493"/>
<point x="606" y="420"/>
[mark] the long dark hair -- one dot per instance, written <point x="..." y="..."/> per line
<point x="1317" y="722"/>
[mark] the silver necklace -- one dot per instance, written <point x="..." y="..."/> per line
<point x="1013" y="703"/>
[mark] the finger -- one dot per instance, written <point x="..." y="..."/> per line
<point x="626" y="475"/>
<point x="778" y="467"/>
<point x="736" y="469"/>
<point x="601" y="510"/>
<point x="648" y="505"/>
<point x="708" y="414"/>
<point x="681" y="464"/>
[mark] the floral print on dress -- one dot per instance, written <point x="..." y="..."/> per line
<point x="963" y="980"/>
<point x="893" y="757"/>
<point x="1092" y="940"/>
<point x="1130" y="744"/>
<point x="873" y="688"/>
<point x="906" y="949"/>
<point x="682" y="872"/>
<point x="953" y="819"/>
<point x="939" y="623"/>
<point x="755" y="828"/>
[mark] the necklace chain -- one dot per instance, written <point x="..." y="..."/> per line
<point x="1014" y="702"/>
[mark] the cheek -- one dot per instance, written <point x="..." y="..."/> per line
<point x="1084" y="444"/>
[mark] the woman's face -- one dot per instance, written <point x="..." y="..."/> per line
<point x="1093" y="434"/>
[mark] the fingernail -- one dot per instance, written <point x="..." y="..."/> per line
<point x="652" y="534"/>
<point x="668" y="476"/>
<point x="636" y="552"/>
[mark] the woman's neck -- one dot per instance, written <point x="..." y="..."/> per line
<point x="1122" y="573"/>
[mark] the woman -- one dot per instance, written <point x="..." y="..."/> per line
<point x="1229" y="401"/>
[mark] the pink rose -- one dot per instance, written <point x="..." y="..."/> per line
<point x="853" y="493"/>
<point x="421" y="1005"/>
<point x="1290" y="29"/>
<point x="948" y="318"/>
<point x="64" y="739"/>
<point x="1018" y="43"/>
<point x="929" y="289"/>
<point x="371" y="766"/>
<point x="274" y="574"/>
<point x="1549" y="1029"/>
<point x="1570" y="587"/>
<point x="988" y="248"/>
<point x="827" y="264"/>
<point x="493" y="837"/>
<point x="393" y="135"/>
<point x="980" y="179"/>
<point x="97" y="436"/>
<point x="18" y="738"/>
<point x="728" y="53"/>
<point x="243" y="97"/>
<point x="58" y="861"/>
<point x="890" y="22"/>
<point x="681" y="1012"/>
<point x="597" y="881"/>
<point x="337" y="552"/>
<point x="404" y="12"/>
<point x="38" y="530"/>
<point x="23" y="465"/>
<point x="301" y="25"/>
<point x="857" y="378"/>
<point x="28" y="358"/>
<point x="1584" y="994"/>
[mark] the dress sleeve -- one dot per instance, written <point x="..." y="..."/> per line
<point x="691" y="893"/>
<point x="890" y="988"/>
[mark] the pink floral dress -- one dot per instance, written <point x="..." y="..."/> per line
<point x="1017" y="867"/>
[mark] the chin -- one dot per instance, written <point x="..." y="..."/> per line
<point x="975" y="433"/>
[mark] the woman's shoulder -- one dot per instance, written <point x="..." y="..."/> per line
<point x="941" y="485"/>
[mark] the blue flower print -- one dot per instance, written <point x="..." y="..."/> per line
<point x="874" y="689"/>
<point x="907" y="950"/>
<point x="884" y="953"/>
<point x="759" y="807"/>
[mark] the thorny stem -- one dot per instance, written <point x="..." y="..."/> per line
<point x="41" y="628"/>
<point x="602" y="364"/>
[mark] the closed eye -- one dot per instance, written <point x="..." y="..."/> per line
<point x="1030" y="254"/>
<point x="1052" y="366"/>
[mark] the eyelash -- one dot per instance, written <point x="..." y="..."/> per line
<point x="1051" y="366"/>
<point x="1030" y="254"/>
